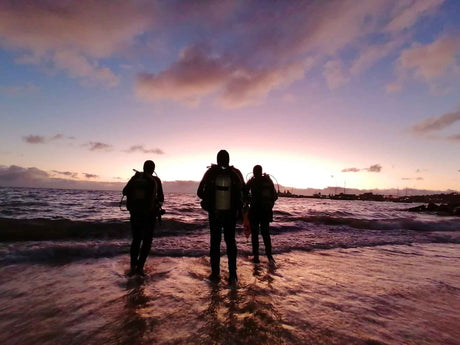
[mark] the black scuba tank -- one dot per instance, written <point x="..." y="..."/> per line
<point x="141" y="193"/>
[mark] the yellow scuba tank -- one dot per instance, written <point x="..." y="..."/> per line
<point x="223" y="196"/>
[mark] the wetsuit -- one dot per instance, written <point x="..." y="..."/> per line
<point x="223" y="210"/>
<point x="144" y="196"/>
<point x="263" y="195"/>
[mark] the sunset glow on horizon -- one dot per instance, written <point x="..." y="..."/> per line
<point x="318" y="93"/>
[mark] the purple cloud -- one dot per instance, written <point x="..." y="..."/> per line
<point x="96" y="146"/>
<point x="350" y="170"/>
<point x="66" y="173"/>
<point x="437" y="123"/>
<point x="17" y="173"/>
<point x="412" y="178"/>
<point x="374" y="168"/>
<point x="34" y="139"/>
<point x="455" y="137"/>
<point x="141" y="148"/>
<point x="40" y="139"/>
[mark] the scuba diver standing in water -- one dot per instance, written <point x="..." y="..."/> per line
<point x="222" y="193"/>
<point x="262" y="195"/>
<point x="144" y="200"/>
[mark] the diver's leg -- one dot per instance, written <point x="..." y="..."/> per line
<point x="136" y="231"/>
<point x="229" y="236"/>
<point x="216" y="237"/>
<point x="264" y="229"/>
<point x="147" y="237"/>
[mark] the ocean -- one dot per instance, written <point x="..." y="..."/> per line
<point x="347" y="272"/>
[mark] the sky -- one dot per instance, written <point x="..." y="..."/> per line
<point x="320" y="93"/>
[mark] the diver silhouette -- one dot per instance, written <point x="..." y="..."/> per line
<point x="262" y="196"/>
<point x="222" y="193"/>
<point x="144" y="200"/>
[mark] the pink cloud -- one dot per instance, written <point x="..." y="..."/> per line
<point x="97" y="146"/>
<point x="436" y="123"/>
<point x="251" y="87"/>
<point x="71" y="35"/>
<point x="407" y="13"/>
<point x="16" y="90"/>
<point x="40" y="139"/>
<point x="333" y="72"/>
<point x="454" y="138"/>
<point x="141" y="148"/>
<point x="429" y="62"/>
<point x="198" y="73"/>
<point x="195" y="74"/>
<point x="34" y="139"/>
<point x="369" y="55"/>
<point x="80" y="67"/>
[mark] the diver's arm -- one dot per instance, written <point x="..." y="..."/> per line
<point x="201" y="192"/>
<point x="160" y="194"/>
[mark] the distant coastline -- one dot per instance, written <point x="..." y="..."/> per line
<point x="190" y="187"/>
<point x="452" y="197"/>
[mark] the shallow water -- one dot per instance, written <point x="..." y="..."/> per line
<point x="380" y="295"/>
<point x="348" y="272"/>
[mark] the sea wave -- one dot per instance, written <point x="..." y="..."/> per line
<point x="441" y="224"/>
<point x="60" y="229"/>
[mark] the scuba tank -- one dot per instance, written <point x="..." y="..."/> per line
<point x="223" y="192"/>
<point x="267" y="191"/>
<point x="140" y="192"/>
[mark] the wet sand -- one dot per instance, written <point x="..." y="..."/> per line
<point x="394" y="294"/>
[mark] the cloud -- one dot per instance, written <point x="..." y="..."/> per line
<point x="78" y="66"/>
<point x="72" y="35"/>
<point x="372" y="168"/>
<point x="350" y="170"/>
<point x="66" y="173"/>
<point x="250" y="87"/>
<point x="436" y="123"/>
<point x="428" y="63"/>
<point x="40" y="139"/>
<point x="455" y="137"/>
<point x="333" y="72"/>
<point x="412" y="178"/>
<point x="141" y="148"/>
<point x="407" y="13"/>
<point x="16" y="173"/>
<point x="96" y="146"/>
<point x="269" y="45"/>
<point x="249" y="48"/>
<point x="34" y="139"/>
<point x="198" y="73"/>
<point x="369" y="55"/>
<point x="90" y="176"/>
<point x="16" y="176"/>
<point x="19" y="90"/>
<point x="195" y="74"/>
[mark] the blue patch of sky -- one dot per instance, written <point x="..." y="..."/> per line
<point x="444" y="21"/>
